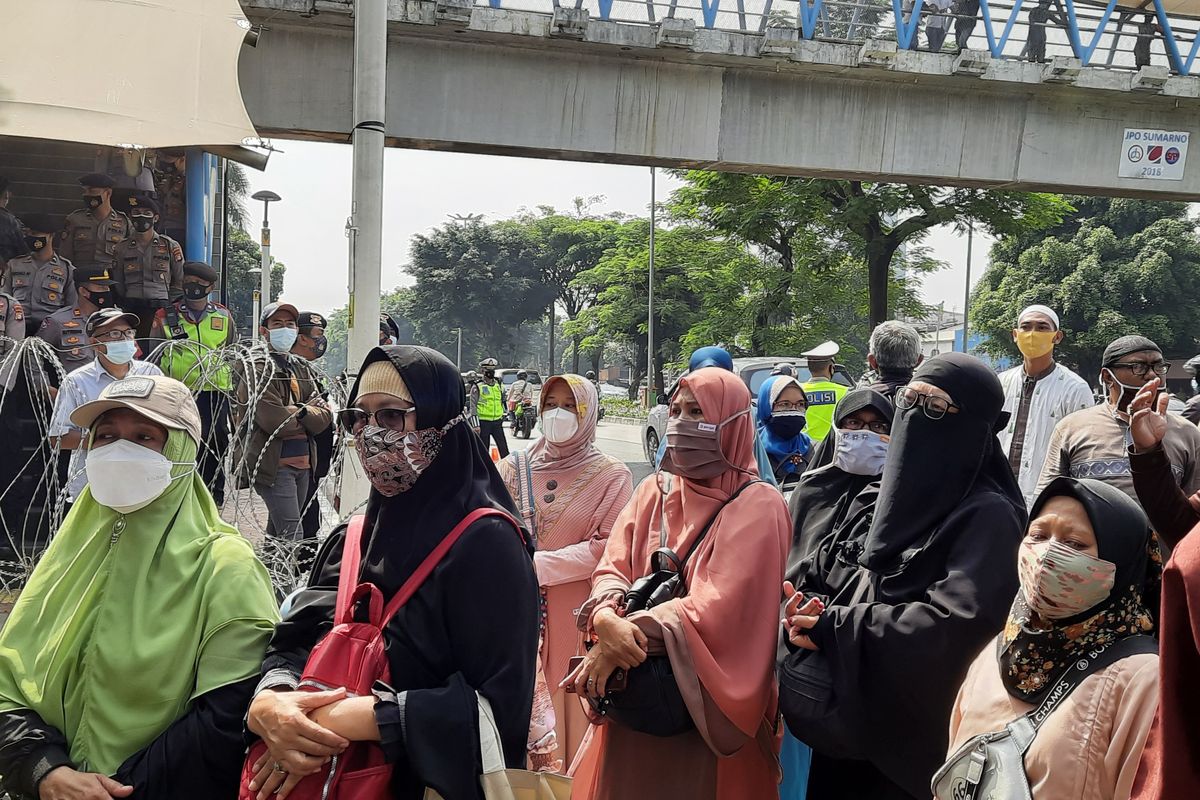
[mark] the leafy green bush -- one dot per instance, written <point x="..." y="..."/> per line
<point x="620" y="407"/>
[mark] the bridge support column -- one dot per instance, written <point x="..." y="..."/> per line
<point x="365" y="227"/>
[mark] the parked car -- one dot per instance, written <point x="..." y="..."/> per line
<point x="753" y="371"/>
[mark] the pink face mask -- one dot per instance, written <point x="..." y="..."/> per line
<point x="1059" y="582"/>
<point x="694" y="448"/>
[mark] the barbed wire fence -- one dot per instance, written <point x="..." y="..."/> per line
<point x="33" y="468"/>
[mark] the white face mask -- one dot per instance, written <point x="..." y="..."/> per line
<point x="861" y="452"/>
<point x="559" y="425"/>
<point x="282" y="339"/>
<point x="126" y="477"/>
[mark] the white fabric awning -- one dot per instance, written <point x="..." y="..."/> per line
<point x="147" y="73"/>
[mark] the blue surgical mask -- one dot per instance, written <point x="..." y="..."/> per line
<point x="282" y="339"/>
<point x="120" y="352"/>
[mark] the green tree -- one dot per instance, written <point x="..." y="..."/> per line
<point x="244" y="255"/>
<point x="871" y="220"/>
<point x="567" y="246"/>
<point x="1113" y="267"/>
<point x="394" y="303"/>
<point x="687" y="260"/>
<point x="238" y="186"/>
<point x="480" y="277"/>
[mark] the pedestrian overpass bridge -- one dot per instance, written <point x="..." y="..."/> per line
<point x="827" y="89"/>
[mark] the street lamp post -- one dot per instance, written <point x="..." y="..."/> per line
<point x="267" y="197"/>
<point x="967" y="290"/>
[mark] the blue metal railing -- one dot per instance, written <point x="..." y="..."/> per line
<point x="1098" y="34"/>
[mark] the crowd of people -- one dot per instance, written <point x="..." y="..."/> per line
<point x="937" y="583"/>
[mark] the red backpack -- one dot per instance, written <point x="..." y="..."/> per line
<point x="352" y="655"/>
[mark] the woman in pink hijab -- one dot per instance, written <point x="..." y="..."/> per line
<point x="569" y="494"/>
<point x="720" y="636"/>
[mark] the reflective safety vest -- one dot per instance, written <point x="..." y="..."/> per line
<point x="196" y="365"/>
<point x="491" y="401"/>
<point x="823" y="397"/>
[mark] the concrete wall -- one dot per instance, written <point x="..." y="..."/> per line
<point x="493" y="81"/>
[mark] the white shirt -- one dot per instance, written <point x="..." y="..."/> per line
<point x="83" y="386"/>
<point x="1060" y="393"/>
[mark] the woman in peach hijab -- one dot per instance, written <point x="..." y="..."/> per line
<point x="569" y="495"/>
<point x="719" y="636"/>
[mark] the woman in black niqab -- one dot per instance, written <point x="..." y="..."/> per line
<point x="472" y="626"/>
<point x="936" y="579"/>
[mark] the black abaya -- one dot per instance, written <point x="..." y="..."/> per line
<point x="937" y="574"/>
<point x="473" y="626"/>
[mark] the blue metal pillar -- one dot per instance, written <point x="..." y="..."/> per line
<point x="199" y="218"/>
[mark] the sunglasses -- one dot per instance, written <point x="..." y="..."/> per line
<point x="353" y="420"/>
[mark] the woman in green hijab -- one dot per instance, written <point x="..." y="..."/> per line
<point x="130" y="657"/>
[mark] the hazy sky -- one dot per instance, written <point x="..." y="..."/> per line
<point x="423" y="188"/>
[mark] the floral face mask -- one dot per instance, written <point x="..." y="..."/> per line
<point x="394" y="460"/>
<point x="1059" y="582"/>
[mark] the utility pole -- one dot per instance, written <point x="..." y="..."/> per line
<point x="553" y="316"/>
<point x="650" y="394"/>
<point x="365" y="226"/>
<point x="459" y="361"/>
<point x="967" y="290"/>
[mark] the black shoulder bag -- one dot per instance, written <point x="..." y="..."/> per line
<point x="651" y="702"/>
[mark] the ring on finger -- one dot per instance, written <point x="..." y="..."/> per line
<point x="279" y="768"/>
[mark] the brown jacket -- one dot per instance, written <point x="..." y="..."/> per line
<point x="283" y="386"/>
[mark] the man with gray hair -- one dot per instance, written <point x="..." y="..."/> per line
<point x="893" y="353"/>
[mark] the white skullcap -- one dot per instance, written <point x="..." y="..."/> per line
<point x="1036" y="309"/>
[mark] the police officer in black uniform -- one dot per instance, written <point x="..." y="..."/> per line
<point x="42" y="282"/>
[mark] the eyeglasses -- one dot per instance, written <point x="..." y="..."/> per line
<point x="879" y="426"/>
<point x="787" y="406"/>
<point x="353" y="420"/>
<point x="116" y="336"/>
<point x="1140" y="368"/>
<point x="935" y="407"/>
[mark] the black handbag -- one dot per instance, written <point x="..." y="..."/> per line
<point x="807" y="700"/>
<point x="651" y="702"/>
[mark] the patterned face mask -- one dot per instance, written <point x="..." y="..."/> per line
<point x="1059" y="582"/>
<point x="394" y="460"/>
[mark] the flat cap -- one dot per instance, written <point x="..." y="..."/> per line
<point x="97" y="180"/>
<point x="198" y="269"/>
<point x="1119" y="348"/>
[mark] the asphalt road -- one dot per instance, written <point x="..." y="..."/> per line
<point x="613" y="438"/>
